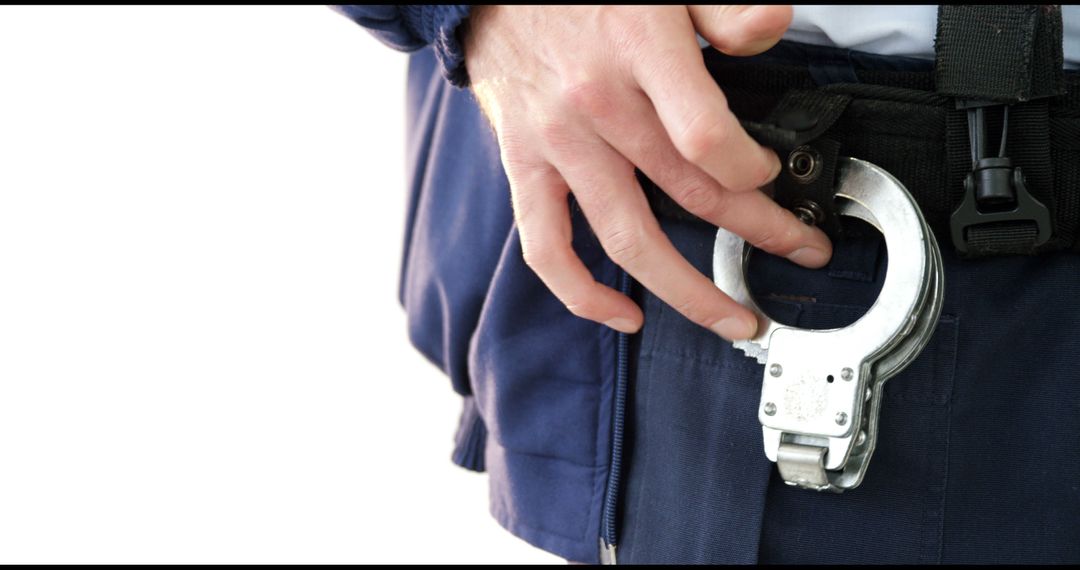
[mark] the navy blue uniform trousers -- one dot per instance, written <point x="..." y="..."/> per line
<point x="978" y="456"/>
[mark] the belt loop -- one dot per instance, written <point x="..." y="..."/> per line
<point x="998" y="214"/>
<point x="999" y="53"/>
<point x="995" y="60"/>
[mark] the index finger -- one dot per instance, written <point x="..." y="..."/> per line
<point x="696" y="116"/>
<point x="616" y="208"/>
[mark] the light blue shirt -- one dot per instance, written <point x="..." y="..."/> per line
<point x="896" y="30"/>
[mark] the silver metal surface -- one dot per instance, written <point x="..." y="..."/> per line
<point x="801" y="465"/>
<point x="607" y="554"/>
<point x="804" y="407"/>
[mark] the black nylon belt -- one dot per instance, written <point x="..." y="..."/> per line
<point x="909" y="123"/>
<point x="898" y="121"/>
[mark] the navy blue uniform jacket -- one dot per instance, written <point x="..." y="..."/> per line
<point x="537" y="381"/>
<point x="977" y="459"/>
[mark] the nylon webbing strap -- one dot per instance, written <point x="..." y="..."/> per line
<point x="1010" y="55"/>
<point x="801" y="116"/>
<point x="999" y="53"/>
<point x="1002" y="238"/>
<point x="1029" y="141"/>
<point x="797" y="123"/>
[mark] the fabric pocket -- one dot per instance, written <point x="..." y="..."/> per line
<point x="699" y="488"/>
<point x="896" y="515"/>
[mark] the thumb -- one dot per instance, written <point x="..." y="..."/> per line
<point x="741" y="30"/>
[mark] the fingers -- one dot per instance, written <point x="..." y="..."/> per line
<point x="765" y="225"/>
<point x="696" y="117"/>
<point x="741" y="30"/>
<point x="752" y="215"/>
<point x="543" y="220"/>
<point x="604" y="185"/>
<point x="545" y="103"/>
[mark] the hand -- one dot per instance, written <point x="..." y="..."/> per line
<point x="579" y="95"/>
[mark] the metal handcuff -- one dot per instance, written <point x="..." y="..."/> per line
<point x="822" y="389"/>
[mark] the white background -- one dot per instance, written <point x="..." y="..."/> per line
<point x="202" y="356"/>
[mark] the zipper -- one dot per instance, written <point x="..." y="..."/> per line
<point x="618" y="424"/>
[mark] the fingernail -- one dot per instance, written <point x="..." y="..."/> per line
<point x="809" y="257"/>
<point x="622" y="325"/>
<point x="734" y="328"/>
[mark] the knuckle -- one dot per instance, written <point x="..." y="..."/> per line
<point x="520" y="158"/>
<point x="694" y="308"/>
<point x="721" y="208"/>
<point x="553" y="130"/>
<point x="631" y="28"/>
<point x="581" y="307"/>
<point x="757" y="172"/>
<point x="528" y="183"/>
<point x="537" y="256"/>
<point x="624" y="244"/>
<point x="590" y="96"/>
<point x="520" y="167"/>
<point x="704" y="135"/>
<point x="699" y="199"/>
<point x="775" y="238"/>
<point x="766" y="239"/>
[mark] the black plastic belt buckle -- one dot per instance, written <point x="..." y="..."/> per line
<point x="995" y="190"/>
